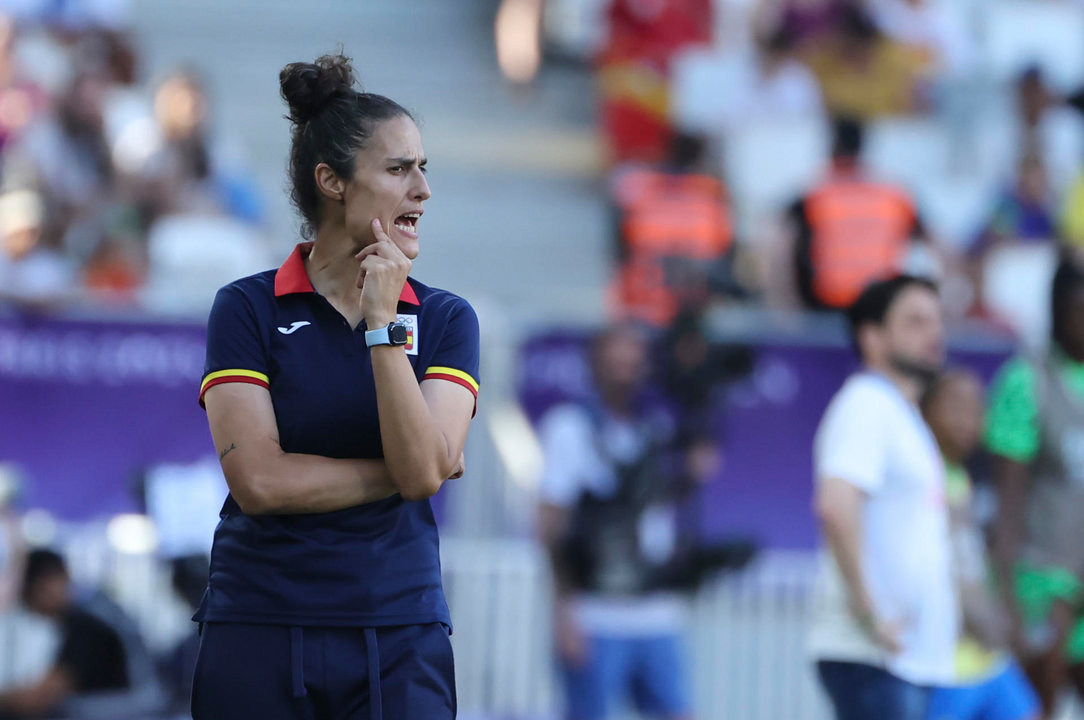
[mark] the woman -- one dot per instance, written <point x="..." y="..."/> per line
<point x="338" y="392"/>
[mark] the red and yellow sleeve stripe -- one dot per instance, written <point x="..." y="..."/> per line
<point x="452" y="375"/>
<point x="229" y="376"/>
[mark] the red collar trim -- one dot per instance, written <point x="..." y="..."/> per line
<point x="292" y="278"/>
<point x="408" y="295"/>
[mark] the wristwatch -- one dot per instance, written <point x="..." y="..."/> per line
<point x="394" y="334"/>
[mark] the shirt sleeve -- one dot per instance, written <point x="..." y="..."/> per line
<point x="236" y="351"/>
<point x="457" y="356"/>
<point x="1012" y="422"/>
<point x="565" y="435"/>
<point x="851" y="443"/>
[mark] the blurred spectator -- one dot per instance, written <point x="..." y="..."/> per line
<point x="178" y="668"/>
<point x="66" y="157"/>
<point x="674" y="231"/>
<point x="804" y="21"/>
<point x="865" y="74"/>
<point x="1034" y="429"/>
<point x="634" y="71"/>
<point x="1045" y="125"/>
<point x="11" y="544"/>
<point x="778" y="84"/>
<point x="695" y="371"/>
<point x="936" y="29"/>
<point x="178" y="168"/>
<point x="1071" y="220"/>
<point x="1033" y="100"/>
<point x="989" y="683"/>
<point x="850" y="230"/>
<point x="30" y="274"/>
<point x="715" y="91"/>
<point x="1025" y="212"/>
<point x="884" y="609"/>
<point x="72" y="16"/>
<point x="91" y="657"/>
<point x="115" y="270"/>
<point x="609" y="519"/>
<point x="19" y="100"/>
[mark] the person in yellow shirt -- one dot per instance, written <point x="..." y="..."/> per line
<point x="865" y="74"/>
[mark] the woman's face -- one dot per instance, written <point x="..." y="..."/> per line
<point x="388" y="184"/>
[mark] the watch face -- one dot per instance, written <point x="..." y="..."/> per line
<point x="397" y="333"/>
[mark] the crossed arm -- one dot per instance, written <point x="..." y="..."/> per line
<point x="265" y="479"/>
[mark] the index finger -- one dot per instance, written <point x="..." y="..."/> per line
<point x="378" y="231"/>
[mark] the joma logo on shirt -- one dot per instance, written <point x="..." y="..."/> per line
<point x="294" y="327"/>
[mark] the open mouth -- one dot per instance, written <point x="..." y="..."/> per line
<point x="408" y="222"/>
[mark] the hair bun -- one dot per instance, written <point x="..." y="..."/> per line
<point x="308" y="87"/>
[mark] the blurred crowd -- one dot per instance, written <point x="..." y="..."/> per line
<point x="778" y="154"/>
<point x="115" y="189"/>
<point x="793" y="163"/>
<point x="784" y="153"/>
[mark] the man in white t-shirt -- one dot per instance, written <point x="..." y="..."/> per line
<point x="609" y="496"/>
<point x="885" y="620"/>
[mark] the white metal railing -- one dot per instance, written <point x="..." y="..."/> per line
<point x="746" y="640"/>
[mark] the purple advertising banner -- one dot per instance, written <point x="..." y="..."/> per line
<point x="87" y="407"/>
<point x="764" y="488"/>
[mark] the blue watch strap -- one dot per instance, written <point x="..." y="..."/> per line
<point x="380" y="336"/>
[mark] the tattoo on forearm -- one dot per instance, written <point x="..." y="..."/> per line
<point x="226" y="452"/>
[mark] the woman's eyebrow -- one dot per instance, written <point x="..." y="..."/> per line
<point x="408" y="160"/>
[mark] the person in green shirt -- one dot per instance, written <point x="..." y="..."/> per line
<point x="990" y="685"/>
<point x="1035" y="432"/>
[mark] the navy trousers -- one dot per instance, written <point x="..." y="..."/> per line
<point x="273" y="672"/>
<point x="865" y="692"/>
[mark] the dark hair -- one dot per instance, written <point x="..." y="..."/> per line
<point x="687" y="150"/>
<point x="778" y="42"/>
<point x="604" y="336"/>
<point x="848" y="137"/>
<point x="1031" y="75"/>
<point x="876" y="300"/>
<point x="856" y="24"/>
<point x="945" y="378"/>
<point x="332" y="121"/>
<point x="1068" y="279"/>
<point x="41" y="564"/>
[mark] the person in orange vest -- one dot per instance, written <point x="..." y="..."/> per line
<point x="674" y="232"/>
<point x="850" y="230"/>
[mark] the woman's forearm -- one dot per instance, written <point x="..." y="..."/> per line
<point x="417" y="453"/>
<point x="293" y="483"/>
<point x="264" y="479"/>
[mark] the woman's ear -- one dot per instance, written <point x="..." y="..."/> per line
<point x="329" y="183"/>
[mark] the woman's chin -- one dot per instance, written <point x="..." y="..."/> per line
<point x="408" y="246"/>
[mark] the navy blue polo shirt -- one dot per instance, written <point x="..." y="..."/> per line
<point x="371" y="565"/>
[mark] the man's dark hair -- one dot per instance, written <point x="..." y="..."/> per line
<point x="876" y="300"/>
<point x="848" y="137"/>
<point x="40" y="564"/>
<point x="1068" y="280"/>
